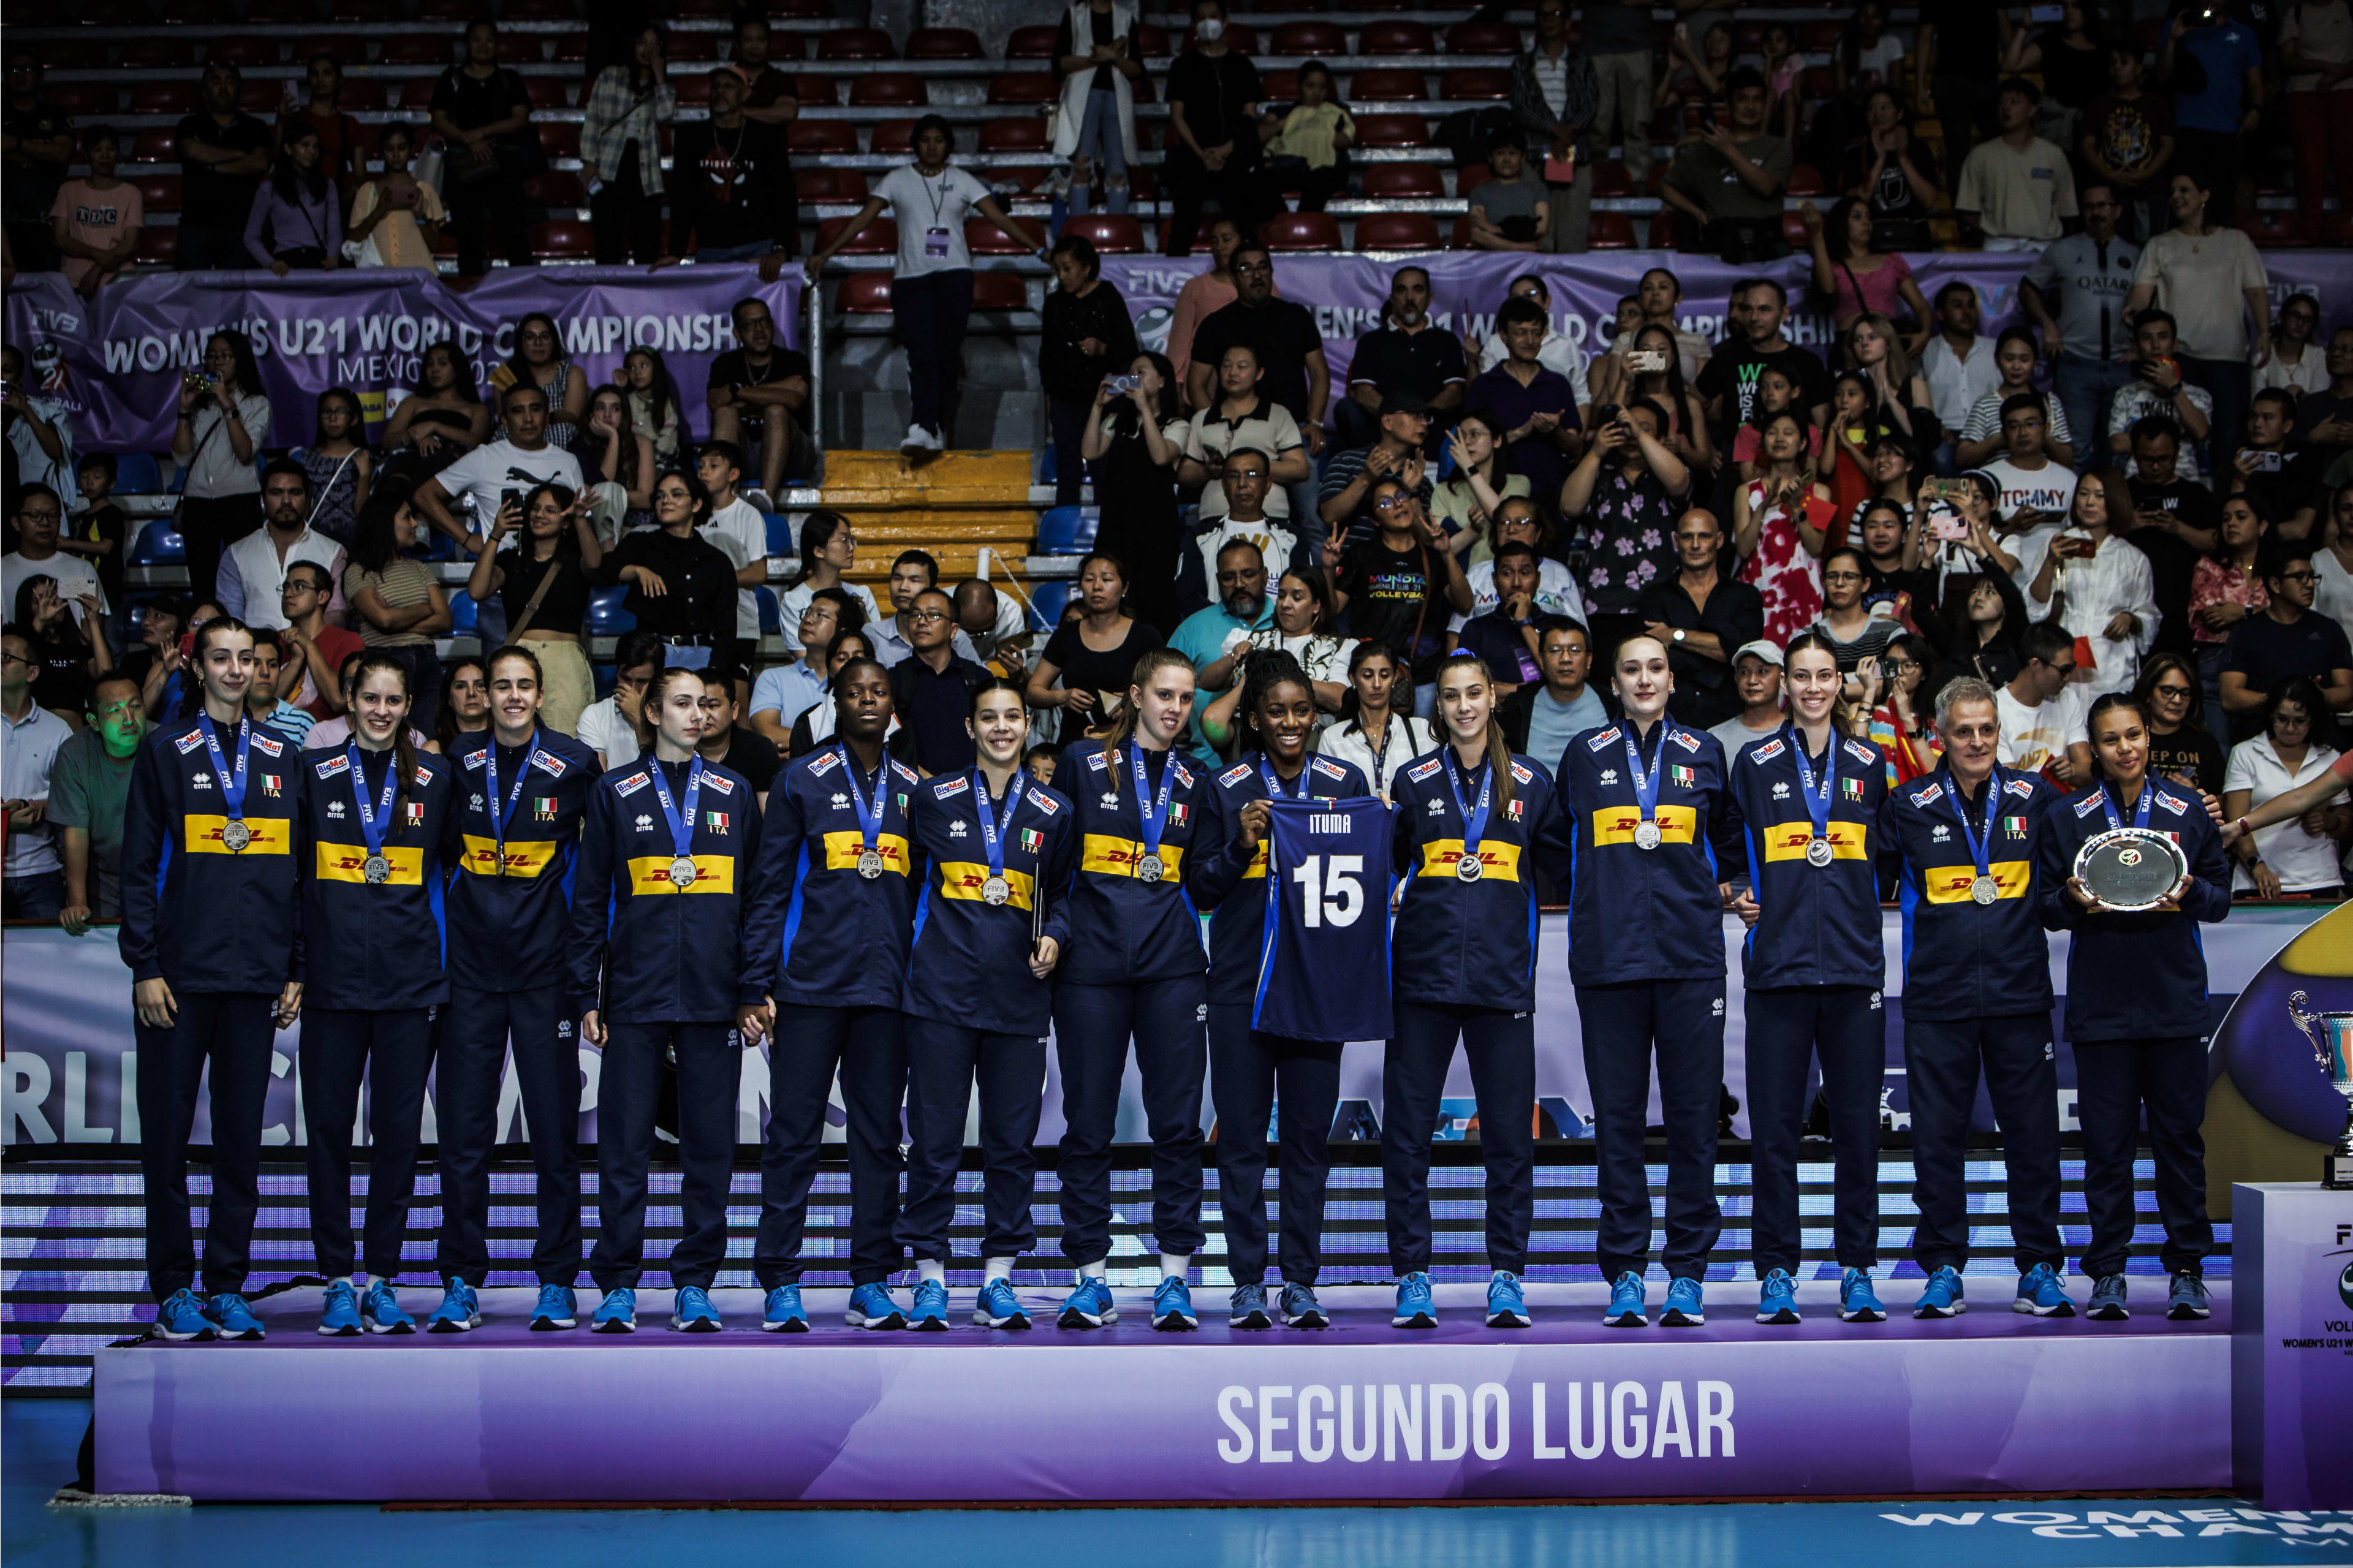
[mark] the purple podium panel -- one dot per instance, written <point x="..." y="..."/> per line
<point x="1987" y="1403"/>
<point x="2292" y="1354"/>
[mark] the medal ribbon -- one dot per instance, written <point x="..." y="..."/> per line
<point x="870" y="818"/>
<point x="1154" y="817"/>
<point x="995" y="829"/>
<point x="681" y="825"/>
<point x="1475" y="818"/>
<point x="2140" y="811"/>
<point x="1274" y="784"/>
<point x="1646" y="785"/>
<point x="1993" y="803"/>
<point x="1818" y="807"/>
<point x="502" y="820"/>
<point x="232" y="784"/>
<point x="373" y="823"/>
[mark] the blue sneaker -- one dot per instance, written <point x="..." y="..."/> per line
<point x="342" y="1317"/>
<point x="181" y="1317"/>
<point x="2186" y="1297"/>
<point x="871" y="1307"/>
<point x="1172" y="1306"/>
<point x="380" y="1310"/>
<point x="1625" y="1309"/>
<point x="556" y="1309"/>
<point x="1417" y="1308"/>
<point x="460" y="1311"/>
<point x="236" y="1318"/>
<point x="1941" y="1298"/>
<point x="2107" y="1303"/>
<point x="1685" y="1309"/>
<point x="996" y="1307"/>
<point x="691" y="1312"/>
<point x="1776" y="1299"/>
<point x="2040" y="1294"/>
<point x="1249" y="1309"/>
<point x="783" y="1313"/>
<point x="1507" y="1307"/>
<point x="1300" y="1307"/>
<point x="616" y="1313"/>
<point x="1858" y="1302"/>
<point x="1089" y="1306"/>
<point x="930" y="1314"/>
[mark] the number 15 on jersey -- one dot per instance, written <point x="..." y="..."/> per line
<point x="1324" y="966"/>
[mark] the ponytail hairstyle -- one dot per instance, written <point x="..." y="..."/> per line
<point x="2109" y="702"/>
<point x="665" y="677"/>
<point x="816" y="533"/>
<point x="1847" y="717"/>
<point x="404" y="749"/>
<point x="497" y="656"/>
<point x="192" y="690"/>
<point x="1151" y="664"/>
<point x="995" y="683"/>
<point x="1499" y="744"/>
<point x="1266" y="670"/>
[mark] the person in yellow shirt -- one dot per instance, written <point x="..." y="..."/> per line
<point x="391" y="215"/>
<point x="1311" y="143"/>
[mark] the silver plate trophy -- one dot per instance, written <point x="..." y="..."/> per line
<point x="2333" y="1043"/>
<point x="2131" y="867"/>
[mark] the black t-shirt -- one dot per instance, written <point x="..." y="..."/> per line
<point x="1893" y="197"/>
<point x="1281" y="333"/>
<point x="2267" y="652"/>
<point x="699" y="579"/>
<point x="731" y="187"/>
<point x="104" y="524"/>
<point x="65" y="680"/>
<point x="753" y="755"/>
<point x="474" y="101"/>
<point x="2295" y="486"/>
<point x="734" y="369"/>
<point x="208" y="199"/>
<point x="1396" y="597"/>
<point x="1496" y="639"/>
<point x="566" y="605"/>
<point x="1424" y="363"/>
<point x="2172" y="565"/>
<point x="1111" y="671"/>
<point x="2191" y="752"/>
<point x="33" y="187"/>
<point x="1731" y="374"/>
<point x="1217" y="95"/>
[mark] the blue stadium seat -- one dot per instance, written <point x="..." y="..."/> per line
<point x="434" y="544"/>
<point x="464" y="615"/>
<point x="1068" y="530"/>
<point x="781" y="539"/>
<point x="771" y="614"/>
<point x="1048" y="470"/>
<point x="158" y="544"/>
<point x="1046" y="602"/>
<point x="606" y="616"/>
<point x="137" y="474"/>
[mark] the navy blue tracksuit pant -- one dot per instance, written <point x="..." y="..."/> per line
<point x="475" y="1030"/>
<point x="2114" y="1081"/>
<point x="1092" y="1026"/>
<point x="629" y="1087"/>
<point x="1683" y="1021"/>
<point x="1501" y="1047"/>
<point x="867" y="1047"/>
<point x="392" y="1050"/>
<point x="1942" y="1060"/>
<point x="1846" y="1027"/>
<point x="944" y="1063"/>
<point x="1251" y="1074"/>
<point x="232" y="1034"/>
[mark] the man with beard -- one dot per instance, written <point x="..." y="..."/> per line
<point x="252" y="585"/>
<point x="1406" y="355"/>
<point x="1243" y="605"/>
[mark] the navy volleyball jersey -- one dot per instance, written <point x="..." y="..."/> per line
<point x="1324" y="970"/>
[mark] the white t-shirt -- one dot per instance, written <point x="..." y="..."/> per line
<point x="2050" y="490"/>
<point x="484" y="475"/>
<point x="2301" y="862"/>
<point x="2333" y="595"/>
<point x="739" y="532"/>
<point x="2031" y="737"/>
<point x="30" y="751"/>
<point x="1556" y="593"/>
<point x="75" y="575"/>
<point x="605" y="732"/>
<point x="930" y="214"/>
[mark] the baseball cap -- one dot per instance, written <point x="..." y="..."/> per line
<point x="1763" y="649"/>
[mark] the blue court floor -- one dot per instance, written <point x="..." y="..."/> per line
<point x="38" y="1439"/>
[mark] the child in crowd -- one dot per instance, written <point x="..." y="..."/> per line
<point x="1508" y="210"/>
<point x="340" y="465"/>
<point x="1310" y="144"/>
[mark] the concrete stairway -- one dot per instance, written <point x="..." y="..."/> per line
<point x="950" y="503"/>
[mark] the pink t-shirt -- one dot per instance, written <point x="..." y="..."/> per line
<point x="97" y="218"/>
<point x="1882" y="290"/>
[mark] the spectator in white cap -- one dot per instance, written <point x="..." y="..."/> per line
<point x="1757" y="675"/>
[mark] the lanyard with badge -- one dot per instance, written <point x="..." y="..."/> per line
<point x="993" y="831"/>
<point x="1154" y="818"/>
<point x="869" y="817"/>
<point x="1647" y="834"/>
<point x="373" y="823"/>
<point x="935" y="238"/>
<point x="2140" y="811"/>
<point x="1274" y="790"/>
<point x="682" y="871"/>
<point x="1818" y="807"/>
<point x="500" y="820"/>
<point x="1467" y="865"/>
<point x="235" y="834"/>
<point x="1984" y="888"/>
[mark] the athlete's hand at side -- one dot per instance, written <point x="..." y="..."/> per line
<point x="154" y="1002"/>
<point x="591" y="1029"/>
<point x="1744" y="906"/>
<point x="1044" y="956"/>
<point x="752" y="1021"/>
<point x="289" y="1005"/>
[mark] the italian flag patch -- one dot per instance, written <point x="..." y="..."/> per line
<point x="1683" y="777"/>
<point x="1176" y="814"/>
<point x="1032" y="841"/>
<point x="2015" y="826"/>
<point x="715" y="820"/>
<point x="1850" y="789"/>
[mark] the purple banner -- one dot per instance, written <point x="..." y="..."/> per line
<point x="116" y="361"/>
<point x="2292" y="1340"/>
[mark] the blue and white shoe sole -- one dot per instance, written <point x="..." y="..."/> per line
<point x="395" y="1327"/>
<point x="1311" y="1319"/>
<point x="1862" y="1315"/>
<point x="1074" y="1318"/>
<point x="614" y="1326"/>
<point x="1676" y="1318"/>
<point x="249" y="1336"/>
<point x="1175" y="1323"/>
<point x="2105" y="1313"/>
<point x="1508" y="1319"/>
<point x="784" y="1325"/>
<point x="1416" y="1320"/>
<point x="929" y="1325"/>
<point x="1954" y="1310"/>
<point x="1016" y="1321"/>
<point x="438" y="1324"/>
<point x="1636" y="1319"/>
<point x="894" y="1320"/>
<point x="2026" y="1306"/>
<point x="2181" y="1312"/>
<point x="1254" y="1320"/>
<point x="543" y="1325"/>
<point x="1780" y="1317"/>
<point x="178" y="1338"/>
<point x="694" y="1325"/>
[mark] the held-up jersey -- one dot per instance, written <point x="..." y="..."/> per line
<point x="1323" y="963"/>
<point x="2136" y="976"/>
<point x="508" y="928"/>
<point x="1230" y="880"/>
<point x="1963" y="959"/>
<point x="970" y="964"/>
<point x="373" y="945"/>
<point x="1647" y="914"/>
<point x="194" y="913"/>
<point x="1124" y="930"/>
<point x="815" y="933"/>
<point x="665" y="954"/>
<point x="1821" y="924"/>
<point x="1457" y="943"/>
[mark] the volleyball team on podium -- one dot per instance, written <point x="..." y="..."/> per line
<point x="915" y="936"/>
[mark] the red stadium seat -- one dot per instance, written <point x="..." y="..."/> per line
<point x="1461" y="240"/>
<point x="1029" y="176"/>
<point x="1821" y="37"/>
<point x="1397" y="231"/>
<point x="196" y="13"/>
<point x="2274" y="226"/>
<point x="158" y="193"/>
<point x="159" y="245"/>
<point x="1024" y="133"/>
<point x="1376" y="38"/>
<point x="1470" y="177"/>
<point x="552" y="93"/>
<point x="279" y="12"/>
<point x="556" y="188"/>
<point x="1396" y="83"/>
<point x="812" y="90"/>
<point x="83" y="100"/>
<point x="1478" y="82"/>
<point x="2337" y="228"/>
<point x="1793" y="229"/>
<point x="1610" y="179"/>
<point x="892" y="136"/>
<point x="944" y="44"/>
<point x="562" y="238"/>
<point x="1749" y="35"/>
<point x="417" y="49"/>
<point x="785" y="48"/>
<point x="158" y="52"/>
<point x="819" y="136"/>
<point x="362" y="95"/>
<point x="1240" y="37"/>
<point x="1301" y="231"/>
<point x="1403" y="180"/>
<point x="167" y="97"/>
<point x="1156" y="43"/>
<point x="830" y="185"/>
<point x="1816" y="82"/>
<point x="888" y="89"/>
<point x="242" y="52"/>
<point x="1031" y="44"/>
<point x="983" y="237"/>
<point x="1482" y="38"/>
<point x="999" y="291"/>
<point x="416" y="93"/>
<point x="154" y="146"/>
<point x="558" y="138"/>
<point x="880" y="237"/>
<point x="864" y="294"/>
<point x="1311" y="38"/>
<point x="1805" y="180"/>
<point x="1278" y="87"/>
<point x="74" y="54"/>
<point x="262" y="95"/>
<point x="856" y="44"/>
<point x="519" y="49"/>
<point x="1392" y="130"/>
<point x="1023" y="88"/>
<point x="1112" y="234"/>
<point x="1612" y="231"/>
<point x="1662" y="231"/>
<point x="691" y="49"/>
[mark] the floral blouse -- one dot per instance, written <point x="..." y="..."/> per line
<point x="2221" y="583"/>
<point x="1783" y="571"/>
<point x="1628" y="535"/>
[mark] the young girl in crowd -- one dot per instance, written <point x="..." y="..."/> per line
<point x="1310" y="144"/>
<point x="653" y="403"/>
<point x="542" y="576"/>
<point x="1779" y="522"/>
<point x="392" y="215"/>
<point x="1465" y="501"/>
<point x="338" y="464"/>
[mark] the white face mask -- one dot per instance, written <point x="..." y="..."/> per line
<point x="1208" y="29"/>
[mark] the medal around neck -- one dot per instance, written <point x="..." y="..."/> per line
<point x="2129" y="869"/>
<point x="1817" y="852"/>
<point x="236" y="836"/>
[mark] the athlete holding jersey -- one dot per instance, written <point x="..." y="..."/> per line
<point x="825" y="942"/>
<point x="1813" y="967"/>
<point x="1134" y="969"/>
<point x="1471" y="821"/>
<point x="368" y="836"/>
<point x="513" y="840"/>
<point x="1253" y="1071"/>
<point x="210" y="898"/>
<point x="1654" y="824"/>
<point x="657" y="970"/>
<point x="978" y="1002"/>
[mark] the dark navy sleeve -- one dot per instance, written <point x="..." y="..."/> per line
<point x="1552" y="836"/>
<point x="1055" y="868"/>
<point x="592" y="900"/>
<point x="2054" y="864"/>
<point x="146" y="827"/>
<point x="751" y="987"/>
<point x="1726" y="834"/>
<point x="776" y="873"/>
<point x="1215" y="871"/>
<point x="301" y="837"/>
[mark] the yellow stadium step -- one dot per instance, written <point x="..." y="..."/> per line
<point x="953" y="504"/>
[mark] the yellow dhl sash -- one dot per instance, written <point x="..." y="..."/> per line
<point x="1787" y="841"/>
<point x="842" y="850"/>
<point x="348" y="863"/>
<point x="271" y="836"/>
<point x="1951" y="884"/>
<point x="481" y="857"/>
<point x="1616" y="824"/>
<point x="1500" y="862"/>
<point x="712" y="874"/>
<point x="1118" y="857"/>
<point x="965" y="879"/>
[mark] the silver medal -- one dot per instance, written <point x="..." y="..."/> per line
<point x="870" y="863"/>
<point x="1149" y="868"/>
<point x="377" y="870"/>
<point x="236" y="836"/>
<point x="996" y="891"/>
<point x="1985" y="889"/>
<point x="498" y="859"/>
<point x="1817" y="852"/>
<point x="1466" y="869"/>
<point x="682" y="872"/>
<point x="1647" y="835"/>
